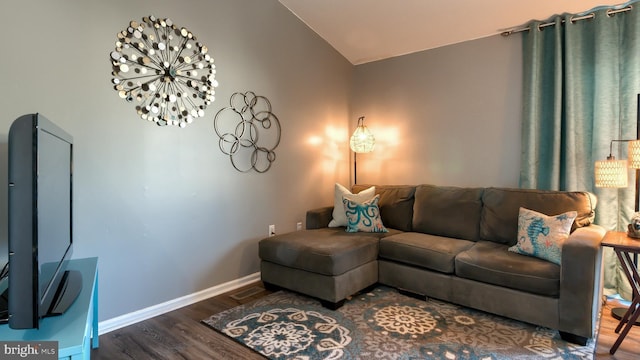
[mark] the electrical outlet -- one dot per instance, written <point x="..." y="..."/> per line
<point x="272" y="230"/>
<point x="299" y="225"/>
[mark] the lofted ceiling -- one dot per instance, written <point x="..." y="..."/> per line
<point x="370" y="30"/>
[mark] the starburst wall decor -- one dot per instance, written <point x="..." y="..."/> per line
<point x="165" y="70"/>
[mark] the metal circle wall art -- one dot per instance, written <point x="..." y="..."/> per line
<point x="249" y="132"/>
<point x="162" y="67"/>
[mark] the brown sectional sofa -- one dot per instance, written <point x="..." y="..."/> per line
<point x="451" y="243"/>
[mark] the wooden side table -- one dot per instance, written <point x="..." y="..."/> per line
<point x="624" y="246"/>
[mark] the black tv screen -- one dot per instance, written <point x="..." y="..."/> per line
<point x="54" y="204"/>
<point x="40" y="221"/>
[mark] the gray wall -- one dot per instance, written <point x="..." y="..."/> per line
<point x="161" y="206"/>
<point x="164" y="209"/>
<point x="447" y="116"/>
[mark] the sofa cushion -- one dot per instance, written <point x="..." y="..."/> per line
<point x="319" y="217"/>
<point x="542" y="236"/>
<point x="447" y="211"/>
<point x="427" y="251"/>
<point x="396" y="204"/>
<point x="327" y="251"/>
<point x="492" y="263"/>
<point x="363" y="216"/>
<point x="499" y="219"/>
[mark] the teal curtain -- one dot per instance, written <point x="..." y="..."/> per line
<point x="580" y="87"/>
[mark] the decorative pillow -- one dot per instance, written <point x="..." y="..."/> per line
<point x="339" y="217"/>
<point x="542" y="236"/>
<point x="363" y="216"/>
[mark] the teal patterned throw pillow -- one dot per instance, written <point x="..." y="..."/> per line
<point x="542" y="236"/>
<point x="363" y="216"/>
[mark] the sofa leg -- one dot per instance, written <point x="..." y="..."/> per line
<point x="580" y="340"/>
<point x="332" y="305"/>
<point x="270" y="286"/>
<point x="412" y="294"/>
<point x="368" y="289"/>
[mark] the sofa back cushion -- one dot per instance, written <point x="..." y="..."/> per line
<point x="448" y="211"/>
<point x="396" y="204"/>
<point x="501" y="206"/>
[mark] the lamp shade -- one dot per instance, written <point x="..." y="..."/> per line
<point x="634" y="154"/>
<point x="362" y="141"/>
<point x="611" y="173"/>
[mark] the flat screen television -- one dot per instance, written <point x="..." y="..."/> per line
<point x="40" y="221"/>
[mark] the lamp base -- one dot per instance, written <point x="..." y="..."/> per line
<point x="633" y="229"/>
<point x="619" y="312"/>
<point x="633" y="233"/>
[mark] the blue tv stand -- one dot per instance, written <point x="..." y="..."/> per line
<point x="76" y="331"/>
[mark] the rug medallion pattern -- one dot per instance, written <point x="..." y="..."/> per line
<point x="384" y="324"/>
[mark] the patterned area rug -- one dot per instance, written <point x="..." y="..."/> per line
<point x="383" y="324"/>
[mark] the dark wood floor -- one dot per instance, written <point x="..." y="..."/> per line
<point x="180" y="335"/>
<point x="630" y="347"/>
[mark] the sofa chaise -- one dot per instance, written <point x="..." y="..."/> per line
<point x="451" y="243"/>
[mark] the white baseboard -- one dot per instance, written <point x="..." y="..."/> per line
<point x="155" y="310"/>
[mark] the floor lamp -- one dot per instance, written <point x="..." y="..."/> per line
<point x="362" y="141"/>
<point x="612" y="173"/>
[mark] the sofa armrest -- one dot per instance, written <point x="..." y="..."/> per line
<point x="319" y="218"/>
<point x="581" y="281"/>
